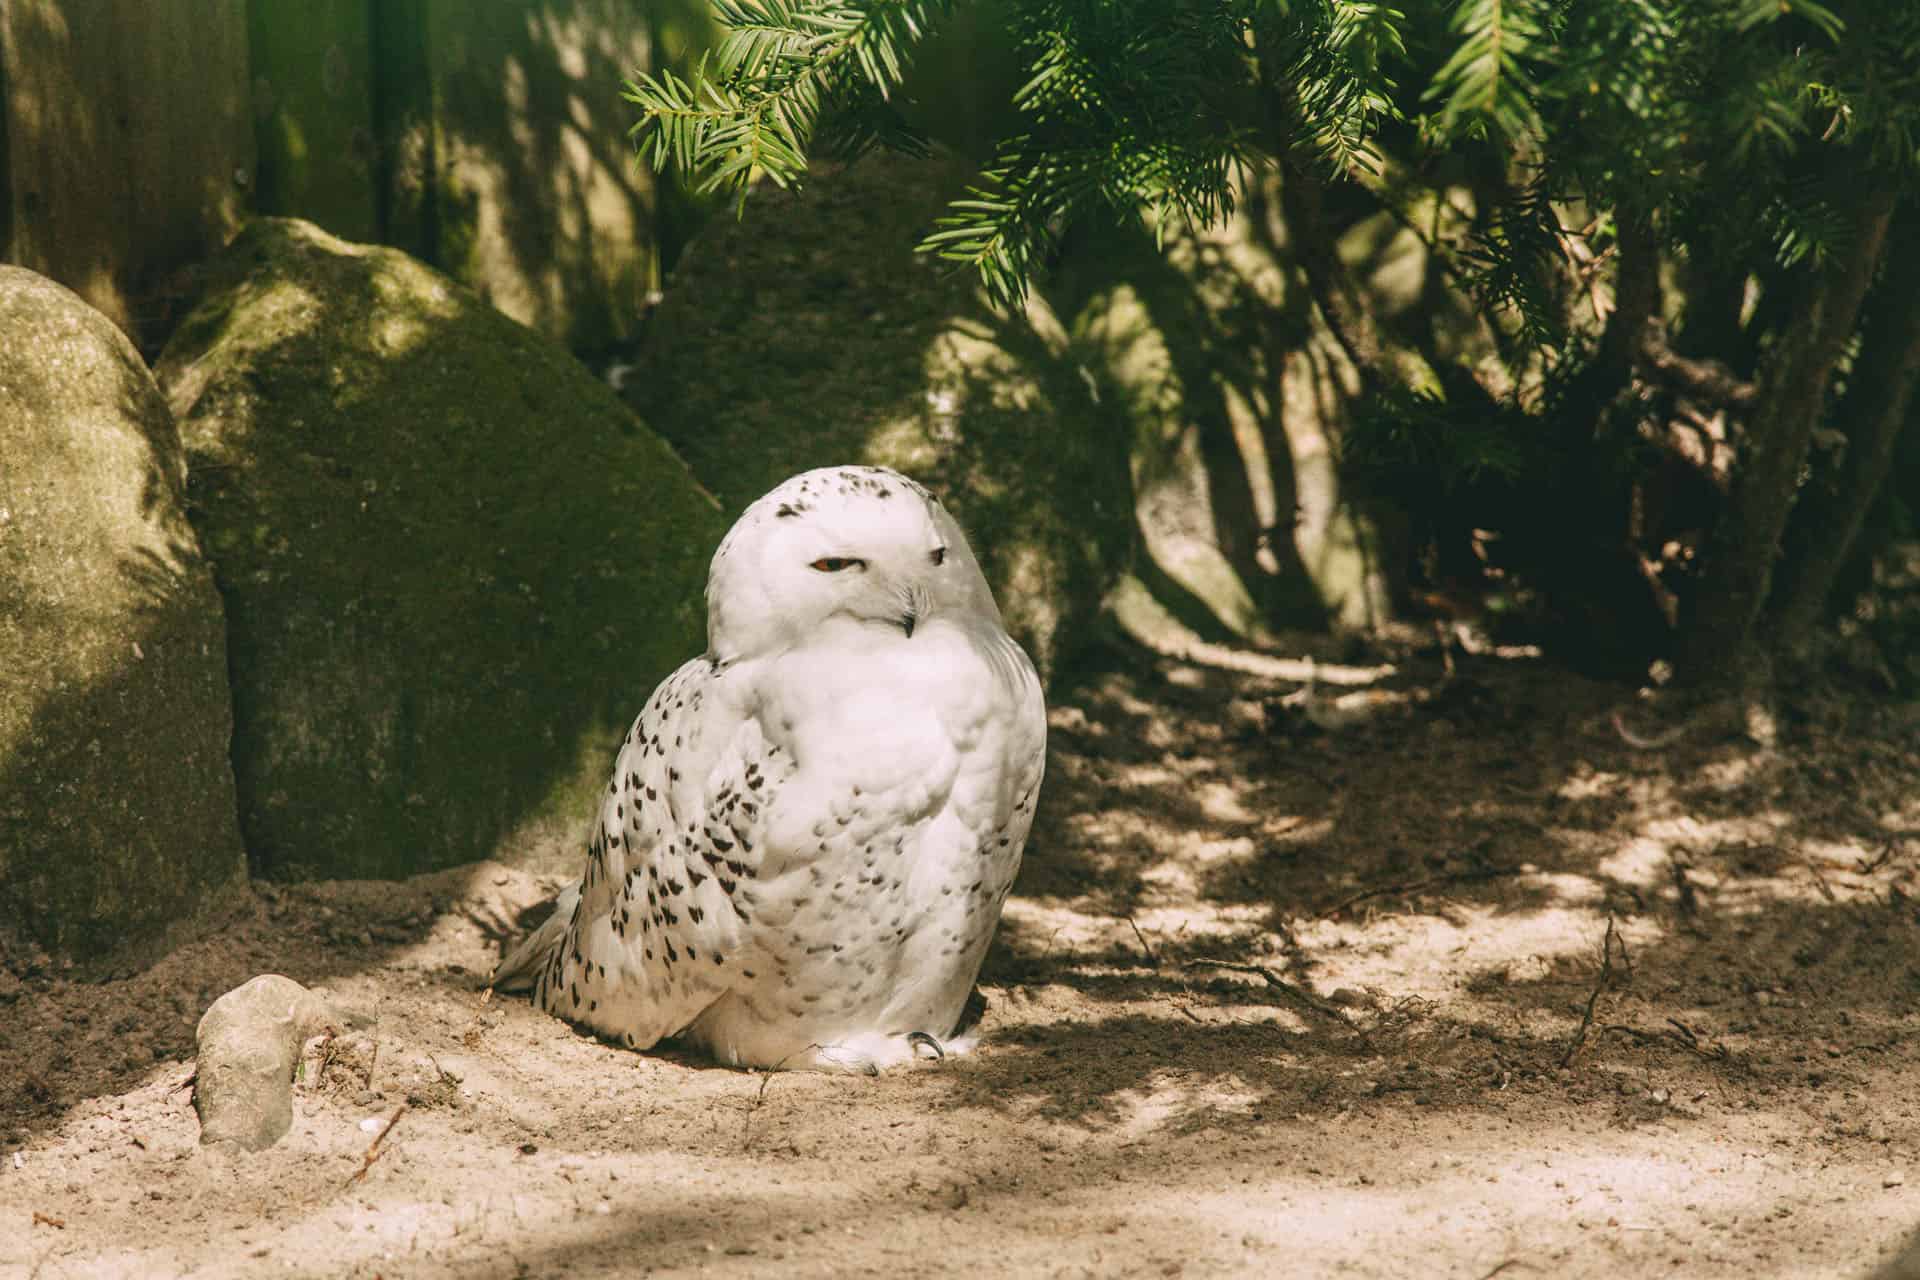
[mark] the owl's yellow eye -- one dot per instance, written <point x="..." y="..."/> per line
<point x="835" y="564"/>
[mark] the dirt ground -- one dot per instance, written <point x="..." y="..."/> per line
<point x="1424" y="1064"/>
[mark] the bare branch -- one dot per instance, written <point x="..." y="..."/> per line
<point x="1707" y="380"/>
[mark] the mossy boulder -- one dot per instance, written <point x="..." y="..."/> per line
<point x="454" y="564"/>
<point x="809" y="332"/>
<point x="117" y="823"/>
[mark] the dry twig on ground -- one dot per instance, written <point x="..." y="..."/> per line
<point x="1324" y="1008"/>
<point x="373" y="1148"/>
<point x="1679" y="1033"/>
<point x="1608" y="941"/>
<point x="1820" y="881"/>
<point x="1893" y="846"/>
<point x="1510" y="1262"/>
<point x="1153" y="960"/>
<point x="1414" y="886"/>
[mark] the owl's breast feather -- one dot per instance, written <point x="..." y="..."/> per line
<point x="877" y="710"/>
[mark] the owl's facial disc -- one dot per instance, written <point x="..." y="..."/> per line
<point x="876" y="571"/>
<point x="849" y="543"/>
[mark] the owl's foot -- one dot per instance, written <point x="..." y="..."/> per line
<point x="864" y="1053"/>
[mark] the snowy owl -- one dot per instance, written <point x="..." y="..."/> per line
<point x="811" y="829"/>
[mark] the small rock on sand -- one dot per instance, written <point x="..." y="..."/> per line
<point x="249" y="1040"/>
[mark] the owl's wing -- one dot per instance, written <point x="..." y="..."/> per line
<point x="657" y="926"/>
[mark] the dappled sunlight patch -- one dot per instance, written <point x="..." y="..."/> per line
<point x="1124" y="849"/>
<point x="1904" y="819"/>
<point x="1643" y="862"/>
<point x="1686" y="831"/>
<point x="1154" y="730"/>
<point x="1068" y="933"/>
<point x="1842" y="855"/>
<point x="1587" y="783"/>
<point x="1222" y="800"/>
<point x="1432" y="956"/>
<point x="1180" y="880"/>
<point x="1640" y="1202"/>
<point x="1732" y="773"/>
<point x="1173" y="1099"/>
<point x="1186" y="677"/>
<point x="1070" y="719"/>
<point x="406" y="285"/>
<point x="1205" y="852"/>
<point x="1286" y="829"/>
<point x="398" y="331"/>
<point x="276" y="312"/>
<point x="1185" y="925"/>
<point x="1735" y="896"/>
<point x="1569" y="888"/>
<point x="911" y="445"/>
<point x="1152" y="778"/>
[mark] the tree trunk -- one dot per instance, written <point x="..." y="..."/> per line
<point x="1302" y="197"/>
<point x="1716" y="642"/>
<point x="1379" y="361"/>
<point x="1636" y="301"/>
<point x="1880" y="391"/>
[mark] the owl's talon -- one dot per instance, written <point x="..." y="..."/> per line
<point x="917" y="1038"/>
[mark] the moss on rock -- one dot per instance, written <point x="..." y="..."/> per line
<point x="117" y="826"/>
<point x="454" y="564"/>
<point x="809" y="332"/>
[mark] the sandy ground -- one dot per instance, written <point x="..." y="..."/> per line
<point x="1396" y="1083"/>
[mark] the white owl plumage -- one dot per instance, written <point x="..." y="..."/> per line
<point x="811" y="829"/>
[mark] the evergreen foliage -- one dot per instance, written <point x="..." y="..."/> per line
<point x="1755" y="151"/>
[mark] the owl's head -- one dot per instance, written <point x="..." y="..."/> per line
<point x="862" y="544"/>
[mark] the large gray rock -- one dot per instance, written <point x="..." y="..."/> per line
<point x="454" y="564"/>
<point x="810" y="332"/>
<point x="117" y="826"/>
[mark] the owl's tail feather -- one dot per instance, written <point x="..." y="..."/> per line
<point x="519" y="967"/>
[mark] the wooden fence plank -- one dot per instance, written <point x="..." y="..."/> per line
<point x="128" y="144"/>
<point x="313" y="99"/>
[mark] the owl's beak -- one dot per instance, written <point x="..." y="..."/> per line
<point x="918" y="605"/>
